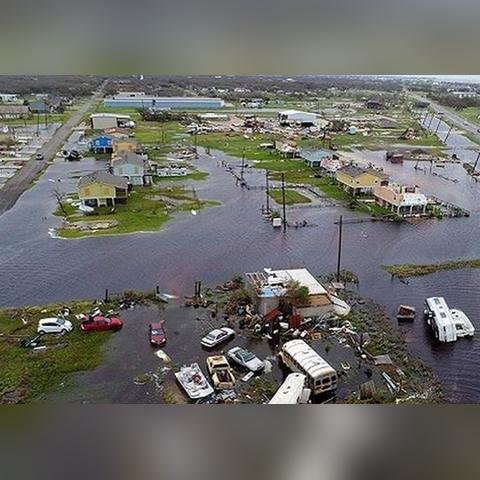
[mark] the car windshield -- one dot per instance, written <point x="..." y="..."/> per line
<point x="247" y="356"/>
<point x="60" y="321"/>
<point x="211" y="336"/>
<point x="157" y="332"/>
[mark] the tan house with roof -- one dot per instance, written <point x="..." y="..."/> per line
<point x="404" y="200"/>
<point x="357" y="181"/>
<point x="99" y="189"/>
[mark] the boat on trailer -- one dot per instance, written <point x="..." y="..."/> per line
<point x="193" y="381"/>
<point x="447" y="323"/>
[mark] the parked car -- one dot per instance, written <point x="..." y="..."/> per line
<point x="221" y="372"/>
<point x="245" y="359"/>
<point x="100" y="323"/>
<point x="157" y="334"/>
<point x="217" y="336"/>
<point x="54" y="325"/>
<point x="39" y="156"/>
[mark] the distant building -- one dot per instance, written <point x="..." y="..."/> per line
<point x="171" y="171"/>
<point x="102" y="189"/>
<point x="314" y="158"/>
<point x="374" y="105"/>
<point x="132" y="167"/>
<point x="403" y="200"/>
<point x="304" y="119"/>
<point x="102" y="144"/>
<point x="270" y="286"/>
<point x="101" y="121"/>
<point x="14" y="111"/>
<point x="131" y="94"/>
<point x="356" y="180"/>
<point x="287" y="149"/>
<point x="9" y="98"/>
<point x="47" y="105"/>
<point x="176" y="103"/>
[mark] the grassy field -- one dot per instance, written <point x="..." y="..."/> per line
<point x="416" y="270"/>
<point x="29" y="375"/>
<point x="291" y="197"/>
<point x="146" y="210"/>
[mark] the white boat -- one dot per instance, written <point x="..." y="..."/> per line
<point x="193" y="381"/>
<point x="447" y="324"/>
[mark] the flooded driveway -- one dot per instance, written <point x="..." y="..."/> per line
<point x="222" y="241"/>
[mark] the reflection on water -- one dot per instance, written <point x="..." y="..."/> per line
<point x="223" y="241"/>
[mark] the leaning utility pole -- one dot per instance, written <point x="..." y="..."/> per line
<point x="339" y="256"/>
<point x="448" y="134"/>
<point x="476" y="161"/>
<point x="267" y="190"/>
<point x="243" y="165"/>
<point x="283" y="204"/>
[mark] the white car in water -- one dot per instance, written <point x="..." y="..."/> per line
<point x="217" y="336"/>
<point x="245" y="359"/>
<point x="54" y="325"/>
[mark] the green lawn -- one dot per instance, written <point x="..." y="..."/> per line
<point x="416" y="270"/>
<point x="145" y="211"/>
<point x="32" y="374"/>
<point x="291" y="197"/>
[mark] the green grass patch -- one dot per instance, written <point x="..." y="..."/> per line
<point x="29" y="374"/>
<point x="291" y="197"/>
<point x="145" y="211"/>
<point x="417" y="270"/>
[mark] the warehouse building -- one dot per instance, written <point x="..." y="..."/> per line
<point x="177" y="103"/>
<point x="102" y="121"/>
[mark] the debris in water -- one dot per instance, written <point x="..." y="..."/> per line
<point x="142" y="379"/>
<point x="194" y="212"/>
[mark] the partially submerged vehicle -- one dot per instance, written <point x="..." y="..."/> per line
<point x="292" y="391"/>
<point x="217" y="337"/>
<point x="447" y="324"/>
<point x="157" y="334"/>
<point x="245" y="359"/>
<point x="221" y="372"/>
<point x="299" y="357"/>
<point x="31" y="342"/>
<point x="193" y="381"/>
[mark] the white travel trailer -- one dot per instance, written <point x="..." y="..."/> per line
<point x="292" y="391"/>
<point x="300" y="357"/>
<point x="447" y="324"/>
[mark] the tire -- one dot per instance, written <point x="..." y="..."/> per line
<point x="41" y="332"/>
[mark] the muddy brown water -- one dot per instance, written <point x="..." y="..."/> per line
<point x="222" y="241"/>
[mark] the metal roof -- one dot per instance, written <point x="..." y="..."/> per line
<point x="310" y="361"/>
<point x="103" y="177"/>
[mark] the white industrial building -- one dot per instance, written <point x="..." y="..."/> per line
<point x="178" y="103"/>
<point x="305" y="119"/>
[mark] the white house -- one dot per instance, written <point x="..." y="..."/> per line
<point x="269" y="286"/>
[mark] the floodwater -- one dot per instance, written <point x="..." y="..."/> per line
<point x="233" y="238"/>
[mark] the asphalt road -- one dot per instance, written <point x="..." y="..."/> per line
<point x="22" y="180"/>
<point x="453" y="117"/>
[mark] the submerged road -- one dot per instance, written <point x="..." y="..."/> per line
<point x="22" y="180"/>
<point x="453" y="117"/>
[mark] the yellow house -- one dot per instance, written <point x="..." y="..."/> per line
<point x="356" y="180"/>
<point x="102" y="189"/>
<point x="124" y="145"/>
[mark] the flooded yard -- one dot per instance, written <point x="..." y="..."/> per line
<point x="233" y="238"/>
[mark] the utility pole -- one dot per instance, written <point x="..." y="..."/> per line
<point x="431" y="120"/>
<point x="339" y="257"/>
<point x="476" y="161"/>
<point x="267" y="190"/>
<point x="438" y="126"/>
<point x="195" y="140"/>
<point x="283" y="204"/>
<point x="243" y="164"/>
<point x="38" y="123"/>
<point x="448" y="134"/>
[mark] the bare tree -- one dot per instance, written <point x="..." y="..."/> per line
<point x="60" y="197"/>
